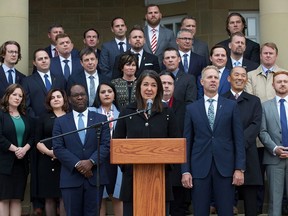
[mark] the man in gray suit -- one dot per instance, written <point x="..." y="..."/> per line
<point x="274" y="136"/>
<point x="158" y="38"/>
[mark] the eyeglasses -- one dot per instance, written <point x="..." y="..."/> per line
<point x="12" y="52"/>
<point x="186" y="39"/>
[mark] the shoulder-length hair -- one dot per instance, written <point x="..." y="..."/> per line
<point x="127" y="59"/>
<point x="97" y="101"/>
<point x="65" y="106"/>
<point x="157" y="103"/>
<point x="5" y="99"/>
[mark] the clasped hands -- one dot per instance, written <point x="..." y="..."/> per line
<point x="85" y="168"/>
<point x="281" y="151"/>
<point x="20" y="152"/>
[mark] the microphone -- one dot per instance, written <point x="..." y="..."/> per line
<point x="149" y="104"/>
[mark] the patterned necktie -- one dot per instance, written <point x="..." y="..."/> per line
<point x="211" y="114"/>
<point x="92" y="91"/>
<point x="185" y="58"/>
<point x="283" y="120"/>
<point x="66" y="69"/>
<point x="121" y="47"/>
<point x="80" y="126"/>
<point x="47" y="82"/>
<point x="55" y="52"/>
<point x="153" y="41"/>
<point x="267" y="72"/>
<point x="237" y="63"/>
<point x="10" y="78"/>
<point x="236" y="96"/>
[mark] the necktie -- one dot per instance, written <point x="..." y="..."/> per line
<point x="153" y="41"/>
<point x="236" y="63"/>
<point x="211" y="114"/>
<point x="283" y="120"/>
<point x="138" y="59"/>
<point x="121" y="47"/>
<point x="236" y="96"/>
<point x="185" y="59"/>
<point x="92" y="91"/>
<point x="80" y="126"/>
<point x="10" y="78"/>
<point x="55" y="52"/>
<point x="66" y="69"/>
<point x="47" y="82"/>
<point x="267" y="72"/>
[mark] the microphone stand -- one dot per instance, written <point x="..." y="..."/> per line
<point x="98" y="127"/>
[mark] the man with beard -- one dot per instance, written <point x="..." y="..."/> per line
<point x="237" y="48"/>
<point x="158" y="37"/>
<point x="146" y="61"/>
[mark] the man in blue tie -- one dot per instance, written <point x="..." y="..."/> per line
<point x="274" y="136"/>
<point x="78" y="154"/>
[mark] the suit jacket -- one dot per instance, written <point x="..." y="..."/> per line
<point x="196" y="64"/>
<point x="4" y="82"/>
<point x="166" y="39"/>
<point x="109" y="51"/>
<point x="80" y="78"/>
<point x="251" y="116"/>
<point x="8" y="135"/>
<point x="252" y="51"/>
<point x="201" y="48"/>
<point x="246" y="63"/>
<point x="36" y="92"/>
<point x="56" y="68"/>
<point x="224" y="84"/>
<point x="74" y="52"/>
<point x="224" y="144"/>
<point x="270" y="133"/>
<point x="148" y="62"/>
<point x="69" y="149"/>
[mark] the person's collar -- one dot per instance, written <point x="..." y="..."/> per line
<point x="234" y="93"/>
<point x="140" y="52"/>
<point x="62" y="58"/>
<point x="6" y="68"/>
<point x="234" y="60"/>
<point x="88" y="74"/>
<point x="150" y="28"/>
<point x="182" y="53"/>
<point x="75" y="113"/>
<point x="221" y="70"/>
<point x="264" y="69"/>
<point x="118" y="41"/>
<point x="215" y="97"/>
<point x="278" y="98"/>
<point x="43" y="73"/>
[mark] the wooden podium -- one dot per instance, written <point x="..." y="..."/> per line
<point x="148" y="157"/>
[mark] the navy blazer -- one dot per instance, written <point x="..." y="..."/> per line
<point x="246" y="63"/>
<point x="74" y="52"/>
<point x="4" y="82"/>
<point x="148" y="62"/>
<point x="196" y="64"/>
<point x="224" y="143"/>
<point x="36" y="92"/>
<point x="109" y="51"/>
<point x="201" y="48"/>
<point x="69" y="149"/>
<point x="56" y="68"/>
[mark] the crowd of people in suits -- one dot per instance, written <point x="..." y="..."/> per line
<point x="213" y="99"/>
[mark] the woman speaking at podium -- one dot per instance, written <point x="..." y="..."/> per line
<point x="157" y="122"/>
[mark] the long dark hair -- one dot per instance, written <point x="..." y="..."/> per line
<point x="157" y="103"/>
<point x="97" y="101"/>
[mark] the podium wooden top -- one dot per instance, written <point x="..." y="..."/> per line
<point x="148" y="151"/>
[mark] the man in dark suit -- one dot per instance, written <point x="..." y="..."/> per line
<point x="146" y="61"/>
<point x="91" y="39"/>
<point x="191" y="63"/>
<point x="237" y="48"/>
<point x="215" y="148"/>
<point x="78" y="154"/>
<point x="250" y="112"/>
<point x="113" y="48"/>
<point x="89" y="77"/>
<point x="64" y="64"/>
<point x="10" y="54"/>
<point x="235" y="22"/>
<point x="158" y="37"/>
<point x="198" y="46"/>
<point x="39" y="83"/>
<point x="185" y="89"/>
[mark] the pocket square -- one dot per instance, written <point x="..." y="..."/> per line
<point x="148" y="64"/>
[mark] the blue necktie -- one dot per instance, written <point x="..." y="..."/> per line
<point x="283" y="120"/>
<point x="121" y="47"/>
<point x="211" y="114"/>
<point x="185" y="63"/>
<point x="10" y="78"/>
<point x="80" y="126"/>
<point x="66" y="69"/>
<point x="47" y="82"/>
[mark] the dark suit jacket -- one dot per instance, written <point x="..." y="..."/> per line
<point x="3" y="80"/>
<point x="109" y="51"/>
<point x="69" y="149"/>
<point x="246" y="63"/>
<point x="36" y="92"/>
<point x="8" y="135"/>
<point x="224" y="84"/>
<point x="56" y="69"/>
<point x="74" y="52"/>
<point x="252" y="51"/>
<point x="201" y="48"/>
<point x="148" y="62"/>
<point x="251" y="116"/>
<point x="224" y="144"/>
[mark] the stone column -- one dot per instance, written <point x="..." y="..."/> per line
<point x="273" y="27"/>
<point x="14" y="25"/>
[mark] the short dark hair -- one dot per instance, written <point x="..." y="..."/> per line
<point x="87" y="51"/>
<point x="137" y="27"/>
<point x="55" y="25"/>
<point x="36" y="51"/>
<point x="152" y="5"/>
<point x="3" y="50"/>
<point x="65" y="106"/>
<point x="188" y="17"/>
<point x="171" y="49"/>
<point x="97" y="101"/>
<point x="128" y="58"/>
<point x="242" y="19"/>
<point x="62" y="35"/>
<point x="91" y="29"/>
<point x="216" y="47"/>
<point x="115" y="18"/>
<point x="167" y="73"/>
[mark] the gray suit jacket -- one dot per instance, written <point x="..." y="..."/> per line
<point x="201" y="48"/>
<point x="270" y="133"/>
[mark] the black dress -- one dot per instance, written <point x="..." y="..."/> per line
<point x="48" y="169"/>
